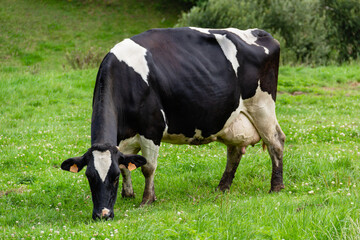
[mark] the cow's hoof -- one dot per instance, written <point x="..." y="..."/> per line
<point x="277" y="188"/>
<point x="147" y="201"/>
<point x="125" y="194"/>
<point x="223" y="188"/>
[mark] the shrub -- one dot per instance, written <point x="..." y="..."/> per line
<point x="81" y="60"/>
<point x="343" y="24"/>
<point x="301" y="24"/>
<point x="310" y="31"/>
<point x="223" y="13"/>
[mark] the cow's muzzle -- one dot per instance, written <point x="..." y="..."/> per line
<point x="105" y="214"/>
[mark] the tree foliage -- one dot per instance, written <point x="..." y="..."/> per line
<point x="343" y="24"/>
<point x="310" y="31"/>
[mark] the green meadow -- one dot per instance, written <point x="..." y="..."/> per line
<point x="50" y="52"/>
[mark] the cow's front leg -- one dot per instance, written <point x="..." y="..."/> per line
<point x="150" y="151"/>
<point x="234" y="154"/>
<point x="127" y="188"/>
<point x="128" y="146"/>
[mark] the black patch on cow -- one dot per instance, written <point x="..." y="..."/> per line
<point x="270" y="67"/>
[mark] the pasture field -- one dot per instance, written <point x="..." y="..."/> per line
<point x="45" y="119"/>
<point x="46" y="85"/>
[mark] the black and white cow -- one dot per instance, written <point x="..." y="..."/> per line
<point x="182" y="86"/>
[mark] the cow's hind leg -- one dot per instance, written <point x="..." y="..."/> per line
<point x="234" y="154"/>
<point x="276" y="149"/>
<point x="128" y="146"/>
<point x="150" y="151"/>
<point x="274" y="138"/>
<point x="261" y="110"/>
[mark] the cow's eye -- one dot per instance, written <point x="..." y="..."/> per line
<point x="116" y="181"/>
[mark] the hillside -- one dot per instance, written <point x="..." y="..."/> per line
<point x="44" y="35"/>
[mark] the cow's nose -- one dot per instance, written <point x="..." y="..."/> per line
<point x="105" y="214"/>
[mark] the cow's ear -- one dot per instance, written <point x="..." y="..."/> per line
<point x="131" y="162"/>
<point x="74" y="164"/>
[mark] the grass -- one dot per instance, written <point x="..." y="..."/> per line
<point x="45" y="112"/>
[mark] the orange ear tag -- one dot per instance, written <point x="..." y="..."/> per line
<point x="74" y="168"/>
<point x="131" y="166"/>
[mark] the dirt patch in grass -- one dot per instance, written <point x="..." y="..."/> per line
<point x="354" y="84"/>
<point x="297" y="93"/>
<point x="10" y="191"/>
<point x="348" y="86"/>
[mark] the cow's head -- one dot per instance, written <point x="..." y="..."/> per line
<point x="103" y="171"/>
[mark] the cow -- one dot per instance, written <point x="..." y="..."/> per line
<point x="183" y="86"/>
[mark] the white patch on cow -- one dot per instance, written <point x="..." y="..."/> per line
<point x="262" y="106"/>
<point x="102" y="163"/>
<point x="261" y="109"/>
<point x="182" y="139"/>
<point x="175" y="138"/>
<point x="133" y="55"/>
<point x="247" y="36"/>
<point x="198" y="134"/>
<point x="229" y="49"/>
<point x="130" y="145"/>
<point x="203" y="30"/>
<point x="149" y="149"/>
<point x="166" y="126"/>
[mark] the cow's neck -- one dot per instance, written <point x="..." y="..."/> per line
<point x="104" y="124"/>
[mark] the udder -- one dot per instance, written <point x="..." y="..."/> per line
<point x="240" y="132"/>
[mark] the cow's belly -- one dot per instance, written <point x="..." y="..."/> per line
<point x="240" y="131"/>
<point x="197" y="139"/>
